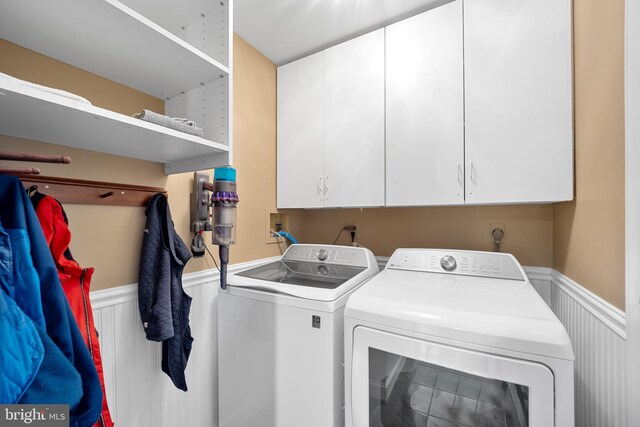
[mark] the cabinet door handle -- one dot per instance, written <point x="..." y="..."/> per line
<point x="326" y="186"/>
<point x="472" y="174"/>
<point x="319" y="184"/>
<point x="459" y="174"/>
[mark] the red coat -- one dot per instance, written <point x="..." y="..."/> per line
<point x="76" y="282"/>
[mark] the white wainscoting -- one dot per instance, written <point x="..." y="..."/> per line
<point x="138" y="392"/>
<point x="597" y="332"/>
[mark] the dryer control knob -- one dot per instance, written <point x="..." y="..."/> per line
<point x="448" y="263"/>
<point x="323" y="254"/>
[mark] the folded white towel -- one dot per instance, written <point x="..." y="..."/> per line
<point x="58" y="92"/>
<point x="186" y="122"/>
<point x="181" y="125"/>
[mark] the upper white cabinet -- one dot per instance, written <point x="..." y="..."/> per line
<point x="424" y="109"/>
<point x="476" y="109"/>
<point x="181" y="53"/>
<point x="331" y="127"/>
<point x="518" y="93"/>
<point x="354" y="122"/>
<point x="301" y="133"/>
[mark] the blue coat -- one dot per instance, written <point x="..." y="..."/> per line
<point x="21" y="350"/>
<point x="37" y="291"/>
<point x="164" y="306"/>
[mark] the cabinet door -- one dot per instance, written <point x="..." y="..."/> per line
<point x="300" y="133"/>
<point x="518" y="113"/>
<point x="425" y="124"/>
<point x="354" y="122"/>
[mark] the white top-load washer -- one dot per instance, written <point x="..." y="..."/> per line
<point x="456" y="338"/>
<point x="280" y="337"/>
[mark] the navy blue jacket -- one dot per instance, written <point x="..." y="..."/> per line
<point x="40" y="296"/>
<point x="164" y="306"/>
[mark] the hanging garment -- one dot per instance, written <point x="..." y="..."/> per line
<point x="164" y="306"/>
<point x="76" y="282"/>
<point x="32" y="368"/>
<point x="57" y="381"/>
<point x="17" y="213"/>
<point x="21" y="349"/>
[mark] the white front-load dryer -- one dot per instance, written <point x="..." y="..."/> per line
<point x="455" y="338"/>
<point x="280" y="338"/>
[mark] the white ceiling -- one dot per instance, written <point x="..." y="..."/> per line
<point x="285" y="30"/>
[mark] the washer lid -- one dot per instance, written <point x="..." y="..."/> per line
<point x="300" y="273"/>
<point x="499" y="313"/>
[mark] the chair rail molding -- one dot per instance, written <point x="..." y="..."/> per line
<point x="121" y="294"/>
<point x="612" y="317"/>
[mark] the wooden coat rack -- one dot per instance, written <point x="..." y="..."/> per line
<point x="68" y="190"/>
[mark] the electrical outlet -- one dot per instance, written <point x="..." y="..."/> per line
<point x="272" y="218"/>
<point x="492" y="227"/>
<point x="345" y="238"/>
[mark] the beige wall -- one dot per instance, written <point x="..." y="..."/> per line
<point x="589" y="232"/>
<point x="254" y="127"/>
<point x="528" y="229"/>
<point x="109" y="237"/>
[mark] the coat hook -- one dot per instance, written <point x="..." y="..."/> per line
<point x="105" y="195"/>
<point x="32" y="190"/>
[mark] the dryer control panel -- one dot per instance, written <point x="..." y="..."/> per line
<point x="466" y="263"/>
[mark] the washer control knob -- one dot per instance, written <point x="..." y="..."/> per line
<point x="323" y="254"/>
<point x="448" y="263"/>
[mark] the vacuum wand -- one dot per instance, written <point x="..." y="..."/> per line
<point x="224" y="261"/>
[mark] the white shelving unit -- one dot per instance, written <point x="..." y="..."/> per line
<point x="33" y="114"/>
<point x="179" y="52"/>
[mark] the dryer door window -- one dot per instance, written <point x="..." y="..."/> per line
<point x="404" y="381"/>
<point x="408" y="392"/>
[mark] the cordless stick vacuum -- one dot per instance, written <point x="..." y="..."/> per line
<point x="224" y="200"/>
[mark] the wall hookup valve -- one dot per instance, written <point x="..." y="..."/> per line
<point x="223" y="198"/>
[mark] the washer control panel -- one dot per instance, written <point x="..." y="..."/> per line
<point x="342" y="255"/>
<point x="466" y="263"/>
